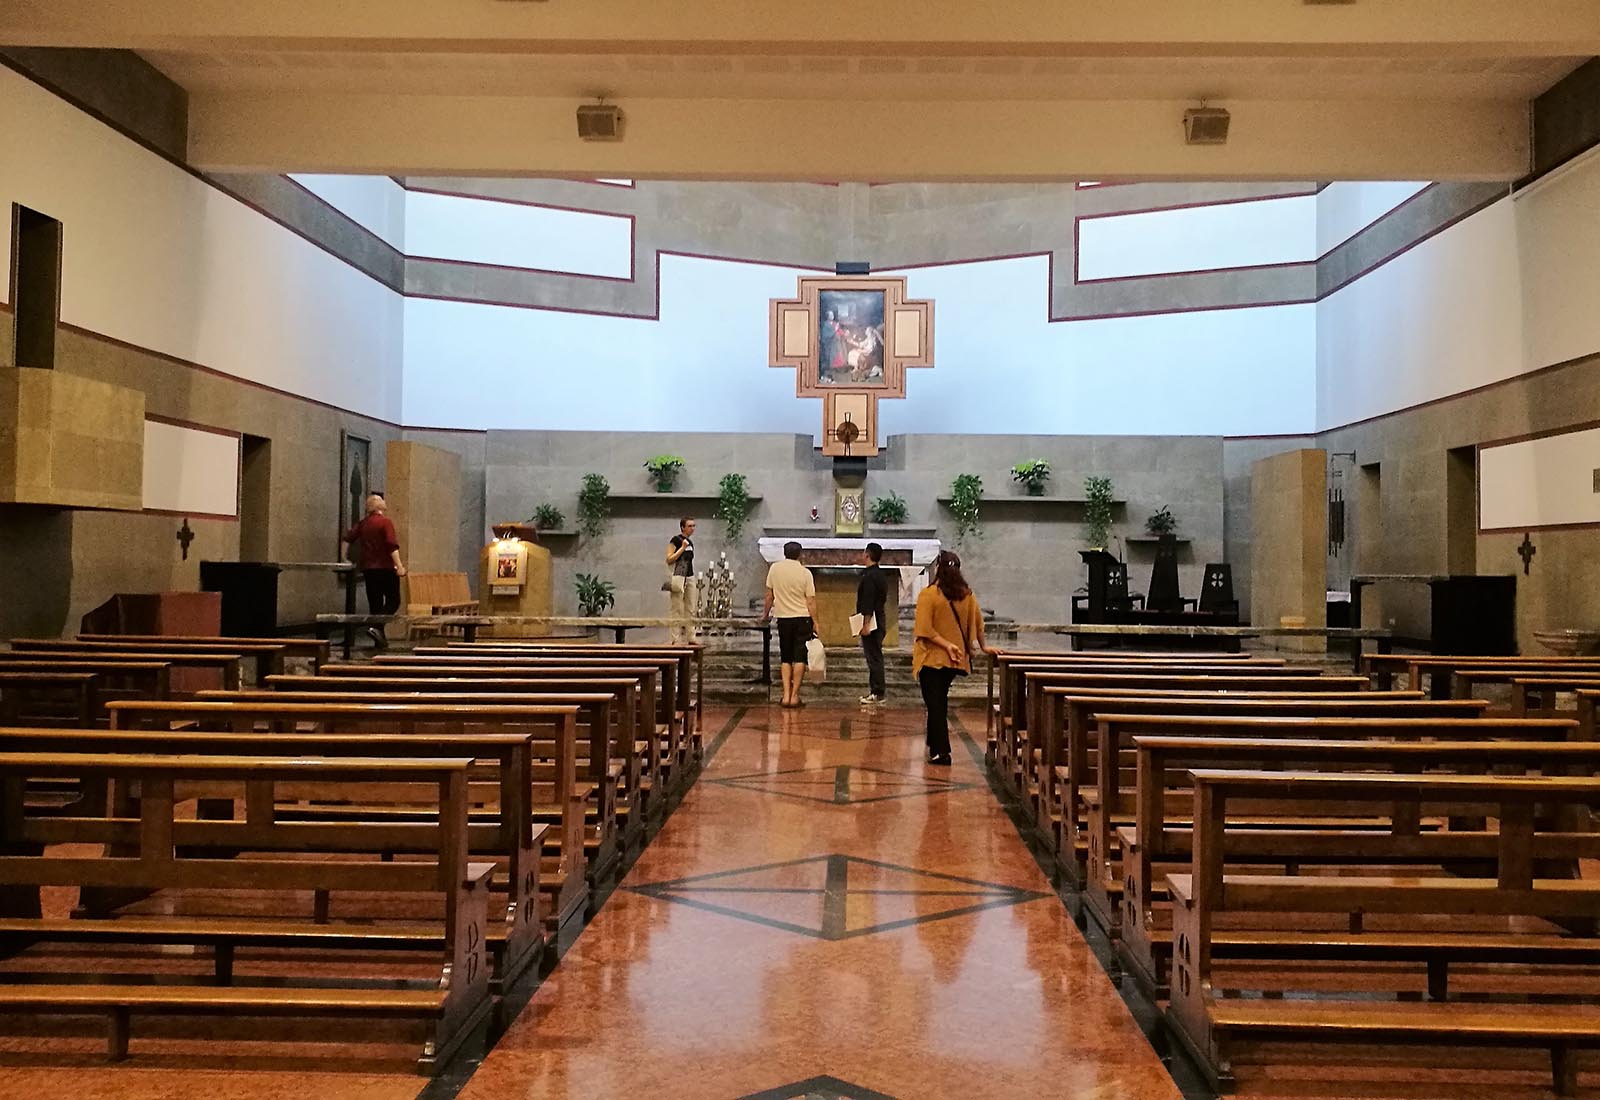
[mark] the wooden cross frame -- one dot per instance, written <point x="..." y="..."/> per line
<point x="850" y="340"/>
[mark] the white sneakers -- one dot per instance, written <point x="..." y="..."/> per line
<point x="872" y="700"/>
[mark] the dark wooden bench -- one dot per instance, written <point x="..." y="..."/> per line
<point x="1073" y="747"/>
<point x="227" y="664"/>
<point x="1439" y="667"/>
<point x="499" y="828"/>
<point x="1158" y="842"/>
<point x="114" y="677"/>
<point x="266" y="658"/>
<point x="557" y="799"/>
<point x="316" y="650"/>
<point x="153" y="853"/>
<point x="49" y="699"/>
<point x="1511" y="893"/>
<point x="599" y="779"/>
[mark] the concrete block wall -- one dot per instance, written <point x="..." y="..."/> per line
<point x="1025" y="563"/>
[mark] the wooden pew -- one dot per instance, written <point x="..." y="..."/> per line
<point x="1016" y="715"/>
<point x="316" y="650"/>
<point x="1438" y="667"/>
<point x="1159" y="838"/>
<point x="49" y="699"/>
<point x="1512" y="892"/>
<point x="689" y="676"/>
<point x="557" y="801"/>
<point x="652" y="736"/>
<point x="1536" y="693"/>
<point x="599" y="781"/>
<point x="115" y="678"/>
<point x="268" y="658"/>
<point x="502" y="832"/>
<point x="1003" y="657"/>
<point x="696" y="651"/>
<point x="227" y="664"/>
<point x="1028" y="749"/>
<point x="154" y="854"/>
<point x="1075" y="759"/>
<point x="625" y="740"/>
<point x="669" y="695"/>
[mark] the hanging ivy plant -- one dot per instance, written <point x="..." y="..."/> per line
<point x="965" y="493"/>
<point x="594" y="505"/>
<point x="733" y="503"/>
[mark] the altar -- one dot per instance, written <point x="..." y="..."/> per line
<point x="835" y="563"/>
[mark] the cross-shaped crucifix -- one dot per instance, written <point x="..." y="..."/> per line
<point x="1526" y="552"/>
<point x="185" y="536"/>
<point x="851" y="338"/>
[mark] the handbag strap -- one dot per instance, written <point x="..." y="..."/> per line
<point x="966" y="646"/>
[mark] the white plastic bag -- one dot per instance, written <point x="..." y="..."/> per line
<point x="816" y="660"/>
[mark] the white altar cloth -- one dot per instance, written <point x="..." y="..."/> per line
<point x="913" y="577"/>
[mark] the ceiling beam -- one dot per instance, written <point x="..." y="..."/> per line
<point x="922" y="140"/>
<point x="1496" y="28"/>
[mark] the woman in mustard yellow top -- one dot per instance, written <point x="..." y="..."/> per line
<point x="949" y="626"/>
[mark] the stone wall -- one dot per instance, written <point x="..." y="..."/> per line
<point x="1288" y="539"/>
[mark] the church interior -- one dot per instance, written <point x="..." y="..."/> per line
<point x="555" y="552"/>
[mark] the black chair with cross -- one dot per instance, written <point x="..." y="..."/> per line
<point x="1216" y="592"/>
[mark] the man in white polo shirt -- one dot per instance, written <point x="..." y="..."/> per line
<point x="792" y="594"/>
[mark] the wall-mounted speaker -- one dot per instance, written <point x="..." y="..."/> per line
<point x="1206" y="125"/>
<point x="600" y="122"/>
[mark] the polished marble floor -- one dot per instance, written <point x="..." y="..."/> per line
<point x="827" y="916"/>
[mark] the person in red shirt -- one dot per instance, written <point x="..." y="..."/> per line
<point x="376" y="552"/>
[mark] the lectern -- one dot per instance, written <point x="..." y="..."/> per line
<point x="1108" y="586"/>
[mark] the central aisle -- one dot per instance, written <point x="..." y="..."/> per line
<point x="825" y="905"/>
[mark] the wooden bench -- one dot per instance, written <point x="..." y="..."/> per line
<point x="628" y="748"/>
<point x="1535" y="693"/>
<point x="653" y="725"/>
<point x="1512" y="891"/>
<point x="153" y="854"/>
<point x="557" y="799"/>
<point x="499" y="829"/>
<point x="114" y="677"/>
<point x="1439" y="667"/>
<point x="1159" y="838"/>
<point x="690" y="677"/>
<point x="227" y="664"/>
<point x="599" y="778"/>
<point x="1002" y="657"/>
<point x="429" y="594"/>
<point x="675" y="709"/>
<point x="1069" y="767"/>
<point x="266" y="657"/>
<point x="49" y="699"/>
<point x="315" y="650"/>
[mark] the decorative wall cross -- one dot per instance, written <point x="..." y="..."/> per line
<point x="185" y="536"/>
<point x="850" y="340"/>
<point x="1526" y="552"/>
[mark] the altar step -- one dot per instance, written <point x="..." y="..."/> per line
<point x="733" y="676"/>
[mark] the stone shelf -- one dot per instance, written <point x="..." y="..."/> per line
<point x="679" y="498"/>
<point x="562" y="533"/>
<point x="1034" y="502"/>
<point x="874" y="531"/>
<point x="1152" y="540"/>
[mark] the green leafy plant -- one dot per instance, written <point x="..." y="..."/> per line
<point x="965" y="493"/>
<point x="547" y="517"/>
<point x="1161" y="523"/>
<point x="1033" y="475"/>
<point x="888" y="509"/>
<point x="1097" y="511"/>
<point x="664" y="471"/>
<point x="733" y="503"/>
<point x="594" y="505"/>
<point x="594" y="595"/>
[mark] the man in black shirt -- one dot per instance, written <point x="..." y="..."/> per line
<point x="872" y="595"/>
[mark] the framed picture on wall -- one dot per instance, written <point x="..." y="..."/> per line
<point x="355" y="482"/>
<point x="850" y="338"/>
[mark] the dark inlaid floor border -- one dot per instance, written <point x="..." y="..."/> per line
<point x="830" y="784"/>
<point x="818" y="1088"/>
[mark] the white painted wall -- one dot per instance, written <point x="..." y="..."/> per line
<point x="376" y="203"/>
<point x="191" y="471"/>
<point x="158" y="258"/>
<point x="487" y="231"/>
<point x="1346" y="208"/>
<point x="1002" y="367"/>
<point x="1200" y="238"/>
<point x="1558" y="223"/>
<point x="1539" y="482"/>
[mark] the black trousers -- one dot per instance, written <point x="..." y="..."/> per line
<point x="383" y="591"/>
<point x="935" y="683"/>
<point x="872" y="650"/>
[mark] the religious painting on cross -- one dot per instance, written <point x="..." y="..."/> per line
<point x="850" y="337"/>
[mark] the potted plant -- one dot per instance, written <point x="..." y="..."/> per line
<point x="888" y="510"/>
<point x="733" y="503"/>
<point x="595" y="596"/>
<point x="1097" y="511"/>
<point x="664" y="471"/>
<point x="547" y="517"/>
<point x="965" y="493"/>
<point x="1162" y="524"/>
<point x="594" y="505"/>
<point x="1032" y="475"/>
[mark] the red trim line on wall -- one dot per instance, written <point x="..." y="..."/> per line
<point x="188" y="515"/>
<point x="1077" y="241"/>
<point x="1197" y="204"/>
<point x="1586" y="426"/>
<point x="1395" y="209"/>
<point x="1590" y="526"/>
